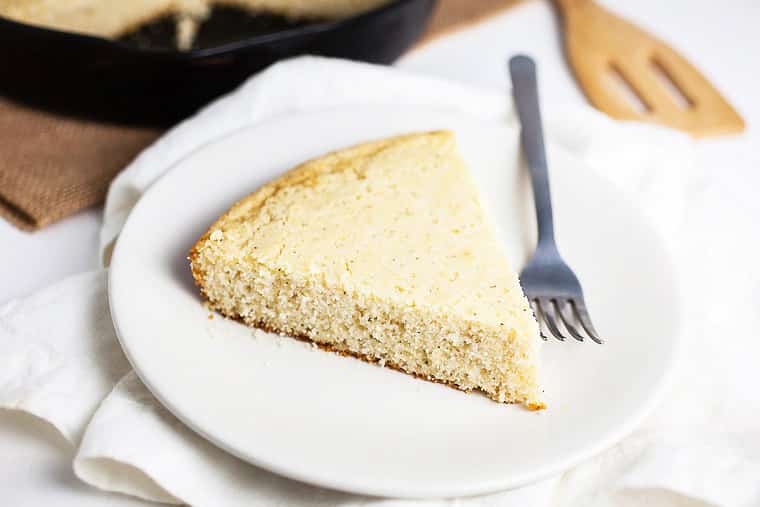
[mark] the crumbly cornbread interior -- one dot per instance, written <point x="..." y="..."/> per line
<point x="382" y="251"/>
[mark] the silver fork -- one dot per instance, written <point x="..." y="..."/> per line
<point x="551" y="286"/>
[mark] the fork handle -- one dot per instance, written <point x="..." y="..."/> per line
<point x="525" y="90"/>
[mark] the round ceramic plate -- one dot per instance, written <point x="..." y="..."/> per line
<point x="341" y="423"/>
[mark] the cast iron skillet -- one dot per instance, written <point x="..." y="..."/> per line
<point x="119" y="80"/>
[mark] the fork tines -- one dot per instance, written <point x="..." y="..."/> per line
<point x="569" y="314"/>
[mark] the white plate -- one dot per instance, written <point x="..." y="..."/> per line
<point x="344" y="424"/>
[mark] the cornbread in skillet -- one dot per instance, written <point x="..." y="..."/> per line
<point x="381" y="251"/>
<point x="112" y="18"/>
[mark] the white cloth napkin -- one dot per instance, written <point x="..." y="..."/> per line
<point x="60" y="361"/>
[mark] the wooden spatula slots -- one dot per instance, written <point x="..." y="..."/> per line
<point x="630" y="74"/>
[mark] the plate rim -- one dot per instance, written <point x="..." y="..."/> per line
<point x="357" y="487"/>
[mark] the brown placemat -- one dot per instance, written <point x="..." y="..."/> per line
<point x="52" y="166"/>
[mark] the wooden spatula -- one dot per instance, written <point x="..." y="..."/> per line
<point x="630" y="74"/>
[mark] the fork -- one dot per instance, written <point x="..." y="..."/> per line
<point x="551" y="286"/>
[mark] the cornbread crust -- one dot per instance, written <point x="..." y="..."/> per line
<point x="309" y="175"/>
<point x="299" y="175"/>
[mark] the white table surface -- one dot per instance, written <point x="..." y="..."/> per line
<point x="723" y="39"/>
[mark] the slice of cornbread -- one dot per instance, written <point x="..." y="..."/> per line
<point x="381" y="251"/>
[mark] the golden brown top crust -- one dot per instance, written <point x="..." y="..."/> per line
<point x="310" y="170"/>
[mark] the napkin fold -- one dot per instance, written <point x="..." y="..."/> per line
<point x="59" y="358"/>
